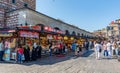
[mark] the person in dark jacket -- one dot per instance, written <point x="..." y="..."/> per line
<point x="34" y="52"/>
<point x="27" y="53"/>
<point x="39" y="50"/>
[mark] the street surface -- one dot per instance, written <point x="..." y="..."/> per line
<point x="68" y="64"/>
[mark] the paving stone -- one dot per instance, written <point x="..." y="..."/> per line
<point x="67" y="64"/>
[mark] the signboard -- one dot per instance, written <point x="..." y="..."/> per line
<point x="29" y="34"/>
<point x="49" y="29"/>
<point x="31" y="27"/>
<point x="49" y="36"/>
<point x="6" y="34"/>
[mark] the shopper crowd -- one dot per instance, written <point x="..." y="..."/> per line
<point x="25" y="53"/>
<point x="107" y="49"/>
<point x="21" y="52"/>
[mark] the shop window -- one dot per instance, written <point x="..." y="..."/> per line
<point x="13" y="1"/>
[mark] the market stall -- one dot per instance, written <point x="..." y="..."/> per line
<point x="8" y="37"/>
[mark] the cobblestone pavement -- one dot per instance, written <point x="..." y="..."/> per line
<point x="68" y="64"/>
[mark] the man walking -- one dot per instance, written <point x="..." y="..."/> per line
<point x="98" y="48"/>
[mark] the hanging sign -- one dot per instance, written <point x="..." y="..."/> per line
<point x="29" y="34"/>
<point x="49" y="36"/>
<point x="49" y="29"/>
<point x="31" y="27"/>
<point x="6" y="34"/>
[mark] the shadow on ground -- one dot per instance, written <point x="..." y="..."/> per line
<point x="88" y="53"/>
<point x="53" y="59"/>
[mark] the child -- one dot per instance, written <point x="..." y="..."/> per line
<point x="20" y="54"/>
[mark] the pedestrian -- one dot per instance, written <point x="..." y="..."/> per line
<point x="74" y="47"/>
<point x="114" y="47"/>
<point x="39" y="51"/>
<point x="27" y="53"/>
<point x="77" y="50"/>
<point x="64" y="47"/>
<point x="50" y="48"/>
<point x="105" y="49"/>
<point x="1" y="51"/>
<point x="20" y="54"/>
<point x="34" y="52"/>
<point x="98" y="49"/>
<point x="80" y="50"/>
<point x="109" y="49"/>
<point x="60" y="48"/>
<point x="7" y="50"/>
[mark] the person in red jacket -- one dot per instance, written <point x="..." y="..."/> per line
<point x="20" y="54"/>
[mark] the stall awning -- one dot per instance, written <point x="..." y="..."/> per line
<point x="6" y="33"/>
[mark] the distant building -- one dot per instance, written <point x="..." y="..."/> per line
<point x="101" y="33"/>
<point x="111" y="31"/>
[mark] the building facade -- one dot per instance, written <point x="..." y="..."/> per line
<point x="112" y="31"/>
<point x="11" y="5"/>
<point x="15" y="13"/>
<point x="30" y="17"/>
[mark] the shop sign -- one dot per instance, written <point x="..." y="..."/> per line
<point x="49" y="37"/>
<point x="31" y="27"/>
<point x="57" y="37"/>
<point x="46" y="28"/>
<point x="36" y="27"/>
<point x="6" y="34"/>
<point x="29" y="34"/>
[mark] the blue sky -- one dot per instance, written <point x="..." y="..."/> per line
<point x="86" y="14"/>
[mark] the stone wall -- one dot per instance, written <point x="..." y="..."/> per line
<point x="7" y="6"/>
<point x="33" y="18"/>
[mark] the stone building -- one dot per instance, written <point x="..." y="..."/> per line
<point x="11" y="5"/>
<point x="22" y="12"/>
<point x="113" y="30"/>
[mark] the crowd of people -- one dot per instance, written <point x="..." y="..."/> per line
<point x="108" y="49"/>
<point x="27" y="53"/>
<point x="21" y="52"/>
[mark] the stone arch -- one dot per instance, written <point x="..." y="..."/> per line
<point x="57" y="28"/>
<point x="82" y="34"/>
<point x="74" y="33"/>
<point x="78" y="34"/>
<point x="67" y="32"/>
<point x="42" y="26"/>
